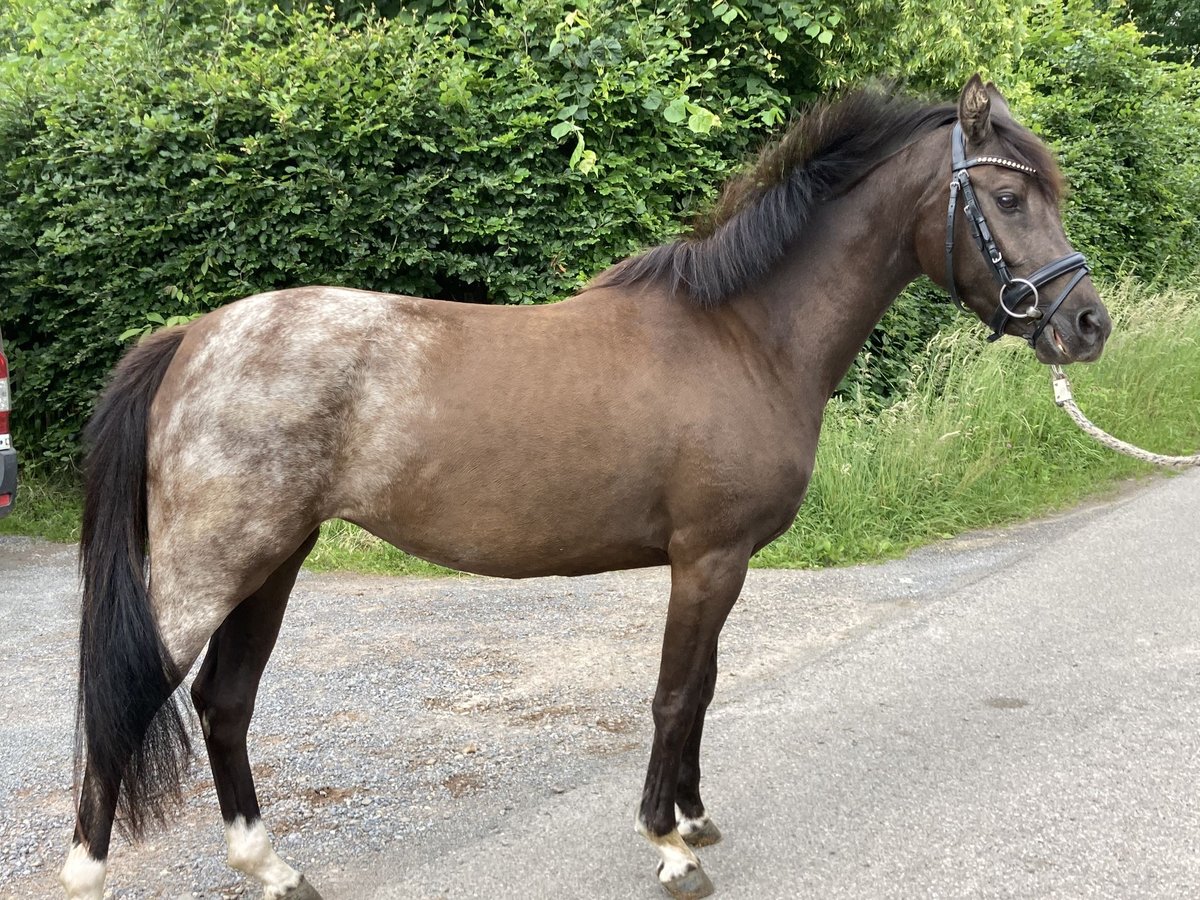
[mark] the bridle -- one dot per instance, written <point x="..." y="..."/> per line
<point x="1013" y="291"/>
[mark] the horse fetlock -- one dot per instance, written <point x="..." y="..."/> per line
<point x="250" y="852"/>
<point x="82" y="876"/>
<point x="697" y="831"/>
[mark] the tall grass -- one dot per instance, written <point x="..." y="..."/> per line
<point x="343" y="547"/>
<point x="45" y="507"/>
<point x="976" y="441"/>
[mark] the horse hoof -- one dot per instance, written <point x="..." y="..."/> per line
<point x="302" y="891"/>
<point x="691" y="885"/>
<point x="704" y="836"/>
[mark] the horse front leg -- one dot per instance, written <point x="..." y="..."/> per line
<point x="695" y="825"/>
<point x="703" y="590"/>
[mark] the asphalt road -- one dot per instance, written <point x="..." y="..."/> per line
<point x="1012" y="714"/>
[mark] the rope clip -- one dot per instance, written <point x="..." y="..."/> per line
<point x="1062" y="387"/>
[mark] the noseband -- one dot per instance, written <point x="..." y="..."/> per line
<point x="1013" y="291"/>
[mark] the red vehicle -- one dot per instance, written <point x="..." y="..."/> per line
<point x="8" y="456"/>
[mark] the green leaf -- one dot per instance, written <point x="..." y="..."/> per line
<point x="561" y="129"/>
<point x="676" y="112"/>
<point x="701" y="121"/>
<point x="772" y="116"/>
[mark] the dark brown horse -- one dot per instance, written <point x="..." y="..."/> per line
<point x="667" y="415"/>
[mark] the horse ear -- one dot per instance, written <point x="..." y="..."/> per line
<point x="975" y="110"/>
<point x="999" y="104"/>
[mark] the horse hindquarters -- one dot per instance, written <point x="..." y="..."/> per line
<point x="218" y="535"/>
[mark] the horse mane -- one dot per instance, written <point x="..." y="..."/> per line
<point x="765" y="210"/>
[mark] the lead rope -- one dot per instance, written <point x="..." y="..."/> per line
<point x="1064" y="399"/>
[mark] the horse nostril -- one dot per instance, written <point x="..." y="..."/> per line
<point x="1088" y="323"/>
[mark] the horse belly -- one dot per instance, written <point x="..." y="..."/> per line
<point x="515" y="537"/>
<point x="524" y="559"/>
<point x="520" y="515"/>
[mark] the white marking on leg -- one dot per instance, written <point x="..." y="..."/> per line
<point x="250" y="851"/>
<point x="82" y="876"/>
<point x="688" y="826"/>
<point x="677" y="858"/>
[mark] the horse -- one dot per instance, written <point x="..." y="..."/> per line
<point x="665" y="415"/>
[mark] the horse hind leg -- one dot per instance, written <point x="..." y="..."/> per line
<point x="135" y="756"/>
<point x="84" y="871"/>
<point x="224" y="693"/>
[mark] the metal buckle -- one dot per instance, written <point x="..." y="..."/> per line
<point x="1034" y="312"/>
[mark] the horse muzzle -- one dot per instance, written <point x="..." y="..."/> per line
<point x="1077" y="335"/>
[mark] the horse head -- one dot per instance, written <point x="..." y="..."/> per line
<point x="1002" y="252"/>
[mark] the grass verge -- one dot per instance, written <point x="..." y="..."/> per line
<point x="45" y="508"/>
<point x="977" y="441"/>
<point x="346" y="547"/>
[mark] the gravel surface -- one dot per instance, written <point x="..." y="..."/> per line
<point x="425" y="712"/>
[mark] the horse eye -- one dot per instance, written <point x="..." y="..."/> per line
<point x="1007" y="201"/>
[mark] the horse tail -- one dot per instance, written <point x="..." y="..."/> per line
<point x="127" y="721"/>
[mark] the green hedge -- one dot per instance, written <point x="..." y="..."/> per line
<point x="1124" y="124"/>
<point x="494" y="152"/>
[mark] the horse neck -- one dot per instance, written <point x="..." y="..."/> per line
<point x="816" y="309"/>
